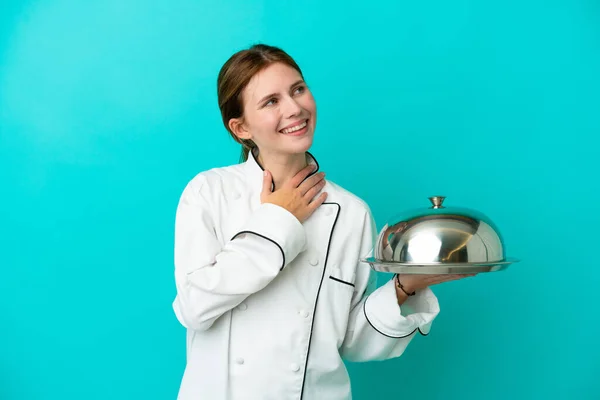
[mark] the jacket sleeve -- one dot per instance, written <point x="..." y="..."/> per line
<point x="378" y="328"/>
<point x="211" y="277"/>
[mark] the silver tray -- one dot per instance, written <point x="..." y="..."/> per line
<point x="436" y="268"/>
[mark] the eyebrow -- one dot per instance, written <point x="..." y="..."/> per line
<point x="275" y="94"/>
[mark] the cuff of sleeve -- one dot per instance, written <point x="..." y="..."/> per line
<point x="278" y="225"/>
<point x="384" y="314"/>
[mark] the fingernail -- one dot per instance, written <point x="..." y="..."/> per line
<point x="265" y="173"/>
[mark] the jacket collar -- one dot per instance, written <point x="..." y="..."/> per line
<point x="256" y="170"/>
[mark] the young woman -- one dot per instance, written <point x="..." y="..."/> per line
<point x="269" y="285"/>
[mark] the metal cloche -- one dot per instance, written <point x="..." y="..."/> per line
<point x="440" y="240"/>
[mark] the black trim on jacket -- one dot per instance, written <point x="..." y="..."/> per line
<point x="384" y="334"/>
<point x="341" y="281"/>
<point x="270" y="240"/>
<point x="317" y="299"/>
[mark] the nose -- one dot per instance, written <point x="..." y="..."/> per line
<point x="291" y="108"/>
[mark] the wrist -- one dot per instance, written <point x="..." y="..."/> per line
<point x="403" y="287"/>
<point x="401" y="297"/>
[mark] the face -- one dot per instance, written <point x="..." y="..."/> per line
<point x="279" y="111"/>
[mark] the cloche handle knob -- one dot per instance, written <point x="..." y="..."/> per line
<point x="437" y="201"/>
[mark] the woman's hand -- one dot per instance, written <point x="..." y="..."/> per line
<point x="415" y="282"/>
<point x="298" y="195"/>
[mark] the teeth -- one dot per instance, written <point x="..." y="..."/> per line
<point x="295" y="128"/>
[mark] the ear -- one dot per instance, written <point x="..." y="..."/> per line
<point x="237" y="126"/>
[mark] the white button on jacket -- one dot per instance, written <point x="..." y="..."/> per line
<point x="272" y="306"/>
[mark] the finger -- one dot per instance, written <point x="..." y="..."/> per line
<point x="300" y="176"/>
<point x="310" y="182"/>
<point x="313" y="205"/>
<point x="314" y="190"/>
<point x="448" y="278"/>
<point x="267" y="182"/>
<point x="434" y="279"/>
<point x="429" y="280"/>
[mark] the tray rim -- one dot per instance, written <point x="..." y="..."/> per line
<point x="439" y="268"/>
<point x="506" y="261"/>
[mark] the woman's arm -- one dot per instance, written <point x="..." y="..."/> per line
<point x="379" y="328"/>
<point x="212" y="278"/>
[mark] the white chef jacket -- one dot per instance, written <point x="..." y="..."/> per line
<point x="272" y="306"/>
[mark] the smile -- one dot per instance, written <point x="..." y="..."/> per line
<point x="295" y="128"/>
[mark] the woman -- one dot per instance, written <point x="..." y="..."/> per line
<point x="269" y="285"/>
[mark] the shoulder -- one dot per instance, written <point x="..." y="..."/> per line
<point x="354" y="215"/>
<point x="214" y="180"/>
<point x="349" y="202"/>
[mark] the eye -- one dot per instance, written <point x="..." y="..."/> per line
<point x="271" y="102"/>
<point x="299" y="90"/>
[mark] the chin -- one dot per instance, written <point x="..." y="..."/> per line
<point x="302" y="145"/>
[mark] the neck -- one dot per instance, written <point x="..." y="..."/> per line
<point x="282" y="167"/>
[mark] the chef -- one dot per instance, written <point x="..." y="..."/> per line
<point x="269" y="284"/>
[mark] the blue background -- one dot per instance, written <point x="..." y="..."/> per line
<point x="107" y="109"/>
